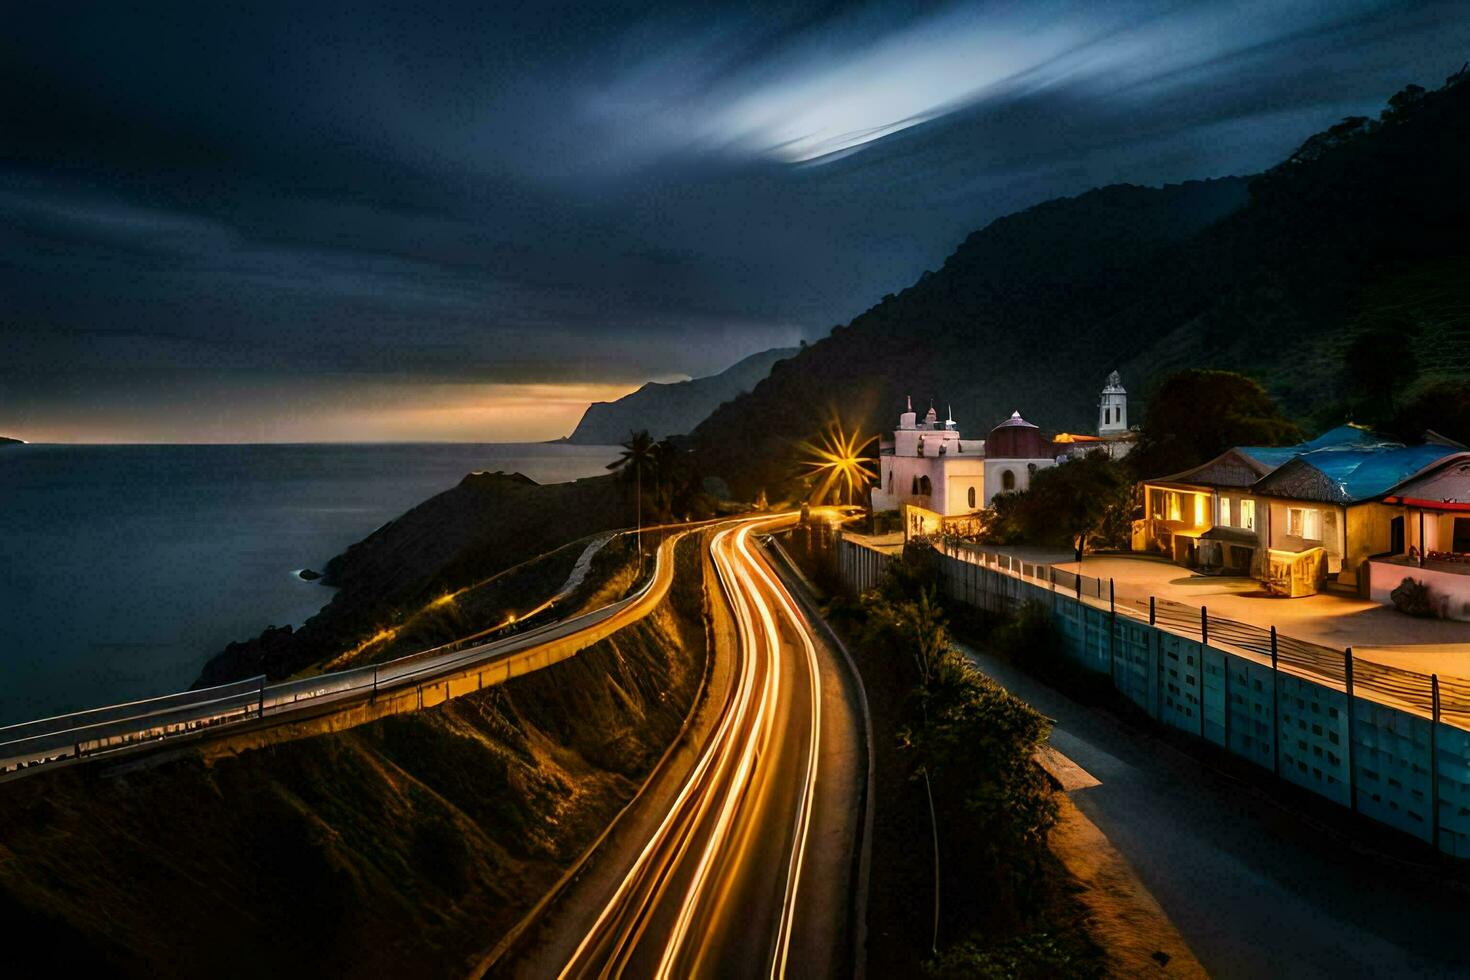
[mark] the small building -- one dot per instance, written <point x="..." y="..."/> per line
<point x="1207" y="516"/>
<point x="1331" y="499"/>
<point x="930" y="466"/>
<point x="1428" y="537"/>
<point x="1285" y="514"/>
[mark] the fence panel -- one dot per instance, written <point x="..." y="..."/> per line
<point x="1388" y="756"/>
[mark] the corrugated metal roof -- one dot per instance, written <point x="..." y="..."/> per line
<point x="1342" y="437"/>
<point x="1348" y="475"/>
<point x="1448" y="482"/>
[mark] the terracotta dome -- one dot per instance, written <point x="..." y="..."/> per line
<point x="1015" y="438"/>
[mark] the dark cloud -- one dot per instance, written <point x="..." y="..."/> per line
<point x="282" y="198"/>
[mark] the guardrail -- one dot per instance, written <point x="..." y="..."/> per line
<point x="28" y="745"/>
<point x="1439" y="698"/>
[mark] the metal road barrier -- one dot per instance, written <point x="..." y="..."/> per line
<point x="32" y="744"/>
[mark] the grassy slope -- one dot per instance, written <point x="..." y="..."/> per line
<point x="403" y="847"/>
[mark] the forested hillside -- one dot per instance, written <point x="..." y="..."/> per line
<point x="1362" y="232"/>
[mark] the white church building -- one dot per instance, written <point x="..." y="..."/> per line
<point x="929" y="465"/>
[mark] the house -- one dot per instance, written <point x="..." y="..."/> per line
<point x="1331" y="499"/>
<point x="1428" y="535"/>
<point x="1293" y="516"/>
<point x="1209" y="517"/>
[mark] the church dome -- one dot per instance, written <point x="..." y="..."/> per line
<point x="1015" y="438"/>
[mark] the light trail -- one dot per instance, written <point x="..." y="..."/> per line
<point x="804" y="814"/>
<point x="711" y="869"/>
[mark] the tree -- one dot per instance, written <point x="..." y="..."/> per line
<point x="637" y="460"/>
<point x="1195" y="415"/>
<point x="1443" y="406"/>
<point x="1379" y="364"/>
<point x="668" y="469"/>
<point x="1073" y="501"/>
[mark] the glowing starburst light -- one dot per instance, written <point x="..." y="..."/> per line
<point x="838" y="464"/>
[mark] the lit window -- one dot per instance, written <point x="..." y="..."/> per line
<point x="1248" y="515"/>
<point x="1199" y="510"/>
<point x="1173" y="500"/>
<point x="1224" y="520"/>
<point x="1304" y="522"/>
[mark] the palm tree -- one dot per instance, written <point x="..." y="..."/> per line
<point x="637" y="457"/>
<point x="668" y="467"/>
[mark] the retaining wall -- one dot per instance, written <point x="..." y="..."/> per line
<point x="1385" y="762"/>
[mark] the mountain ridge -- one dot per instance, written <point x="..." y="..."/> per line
<point x="672" y="409"/>
<point x="1272" y="275"/>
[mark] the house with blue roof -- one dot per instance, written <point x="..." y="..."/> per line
<point x="1296" y="517"/>
<point x="1208" y="517"/>
<point x="1331" y="498"/>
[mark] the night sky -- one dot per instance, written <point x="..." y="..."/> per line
<point x="306" y="221"/>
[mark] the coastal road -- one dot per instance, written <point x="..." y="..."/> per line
<point x="408" y="683"/>
<point x="741" y="863"/>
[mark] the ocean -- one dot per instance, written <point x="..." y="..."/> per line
<point x="124" y="568"/>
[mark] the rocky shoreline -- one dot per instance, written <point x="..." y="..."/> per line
<point x="487" y="523"/>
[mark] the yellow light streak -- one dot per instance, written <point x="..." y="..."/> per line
<point x="837" y="462"/>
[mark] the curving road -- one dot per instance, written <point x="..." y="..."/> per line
<point x="741" y="863"/>
<point x="415" y="681"/>
<point x="745" y="867"/>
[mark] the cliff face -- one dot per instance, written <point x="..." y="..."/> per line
<point x="489" y="522"/>
<point x="404" y="847"/>
<point x="1274" y="276"/>
<point x="672" y="409"/>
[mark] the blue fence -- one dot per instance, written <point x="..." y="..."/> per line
<point x="1390" y="744"/>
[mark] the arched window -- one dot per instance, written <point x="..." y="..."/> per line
<point x="915" y="488"/>
<point x="925" y="487"/>
<point x="1007" y="480"/>
<point x="972" y="498"/>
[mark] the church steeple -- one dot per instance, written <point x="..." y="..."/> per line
<point x="1112" y="409"/>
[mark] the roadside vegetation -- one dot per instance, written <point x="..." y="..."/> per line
<point x="404" y="847"/>
<point x="959" y="797"/>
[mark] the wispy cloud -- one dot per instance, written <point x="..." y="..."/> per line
<point x="849" y="82"/>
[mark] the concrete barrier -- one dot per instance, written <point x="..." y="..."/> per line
<point x="1389" y="763"/>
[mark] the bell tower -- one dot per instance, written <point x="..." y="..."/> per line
<point x="1112" y="410"/>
